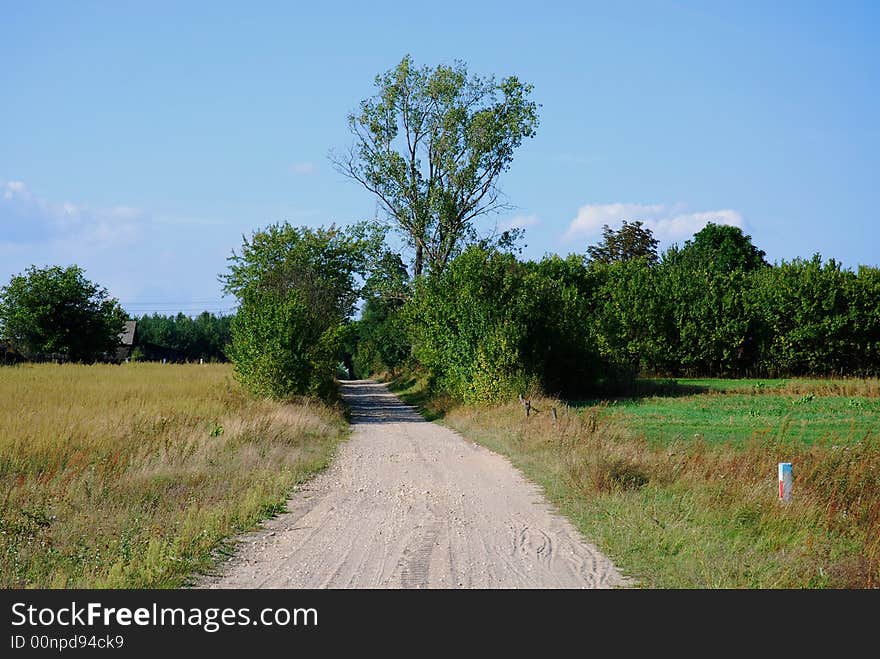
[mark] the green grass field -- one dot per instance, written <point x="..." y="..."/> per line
<point x="806" y="411"/>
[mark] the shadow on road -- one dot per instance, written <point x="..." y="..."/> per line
<point x="371" y="402"/>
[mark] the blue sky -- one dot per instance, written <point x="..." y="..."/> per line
<point x="142" y="140"/>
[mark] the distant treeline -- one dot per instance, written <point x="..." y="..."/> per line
<point x="203" y="337"/>
<point x="491" y="325"/>
<point x="795" y="318"/>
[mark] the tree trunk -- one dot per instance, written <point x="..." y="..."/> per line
<point x="417" y="268"/>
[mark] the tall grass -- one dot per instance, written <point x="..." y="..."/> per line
<point x="695" y="513"/>
<point x="132" y="475"/>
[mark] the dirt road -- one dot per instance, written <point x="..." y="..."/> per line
<point x="411" y="504"/>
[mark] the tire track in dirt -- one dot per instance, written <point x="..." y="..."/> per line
<point x="411" y="504"/>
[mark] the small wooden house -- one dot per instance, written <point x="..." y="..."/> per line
<point x="127" y="340"/>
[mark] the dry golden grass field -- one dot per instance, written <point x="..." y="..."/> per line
<point x="134" y="475"/>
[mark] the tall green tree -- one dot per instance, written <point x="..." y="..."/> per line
<point x="719" y="247"/>
<point x="431" y="145"/>
<point x="58" y="311"/>
<point x="633" y="240"/>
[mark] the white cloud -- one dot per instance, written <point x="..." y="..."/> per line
<point x="519" y="222"/>
<point x="139" y="256"/>
<point x="29" y="219"/>
<point x="14" y="189"/>
<point x="592" y="217"/>
<point x="668" y="222"/>
<point x="685" y="225"/>
<point x="302" y="168"/>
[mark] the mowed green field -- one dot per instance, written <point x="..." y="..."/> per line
<point x="735" y="411"/>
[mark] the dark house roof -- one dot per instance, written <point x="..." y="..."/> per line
<point x="128" y="336"/>
<point x="127" y="340"/>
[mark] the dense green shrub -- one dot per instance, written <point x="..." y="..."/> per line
<point x="491" y="327"/>
<point x="296" y="288"/>
<point x="278" y="352"/>
<point x="383" y="344"/>
<point x="631" y="318"/>
<point x="817" y="319"/>
<point x="711" y="329"/>
<point x="563" y="349"/>
<point x="685" y="316"/>
<point x="863" y="294"/>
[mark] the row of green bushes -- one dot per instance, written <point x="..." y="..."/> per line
<point x="802" y="317"/>
<point x="491" y="326"/>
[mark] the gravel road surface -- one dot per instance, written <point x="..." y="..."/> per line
<point x="411" y="504"/>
